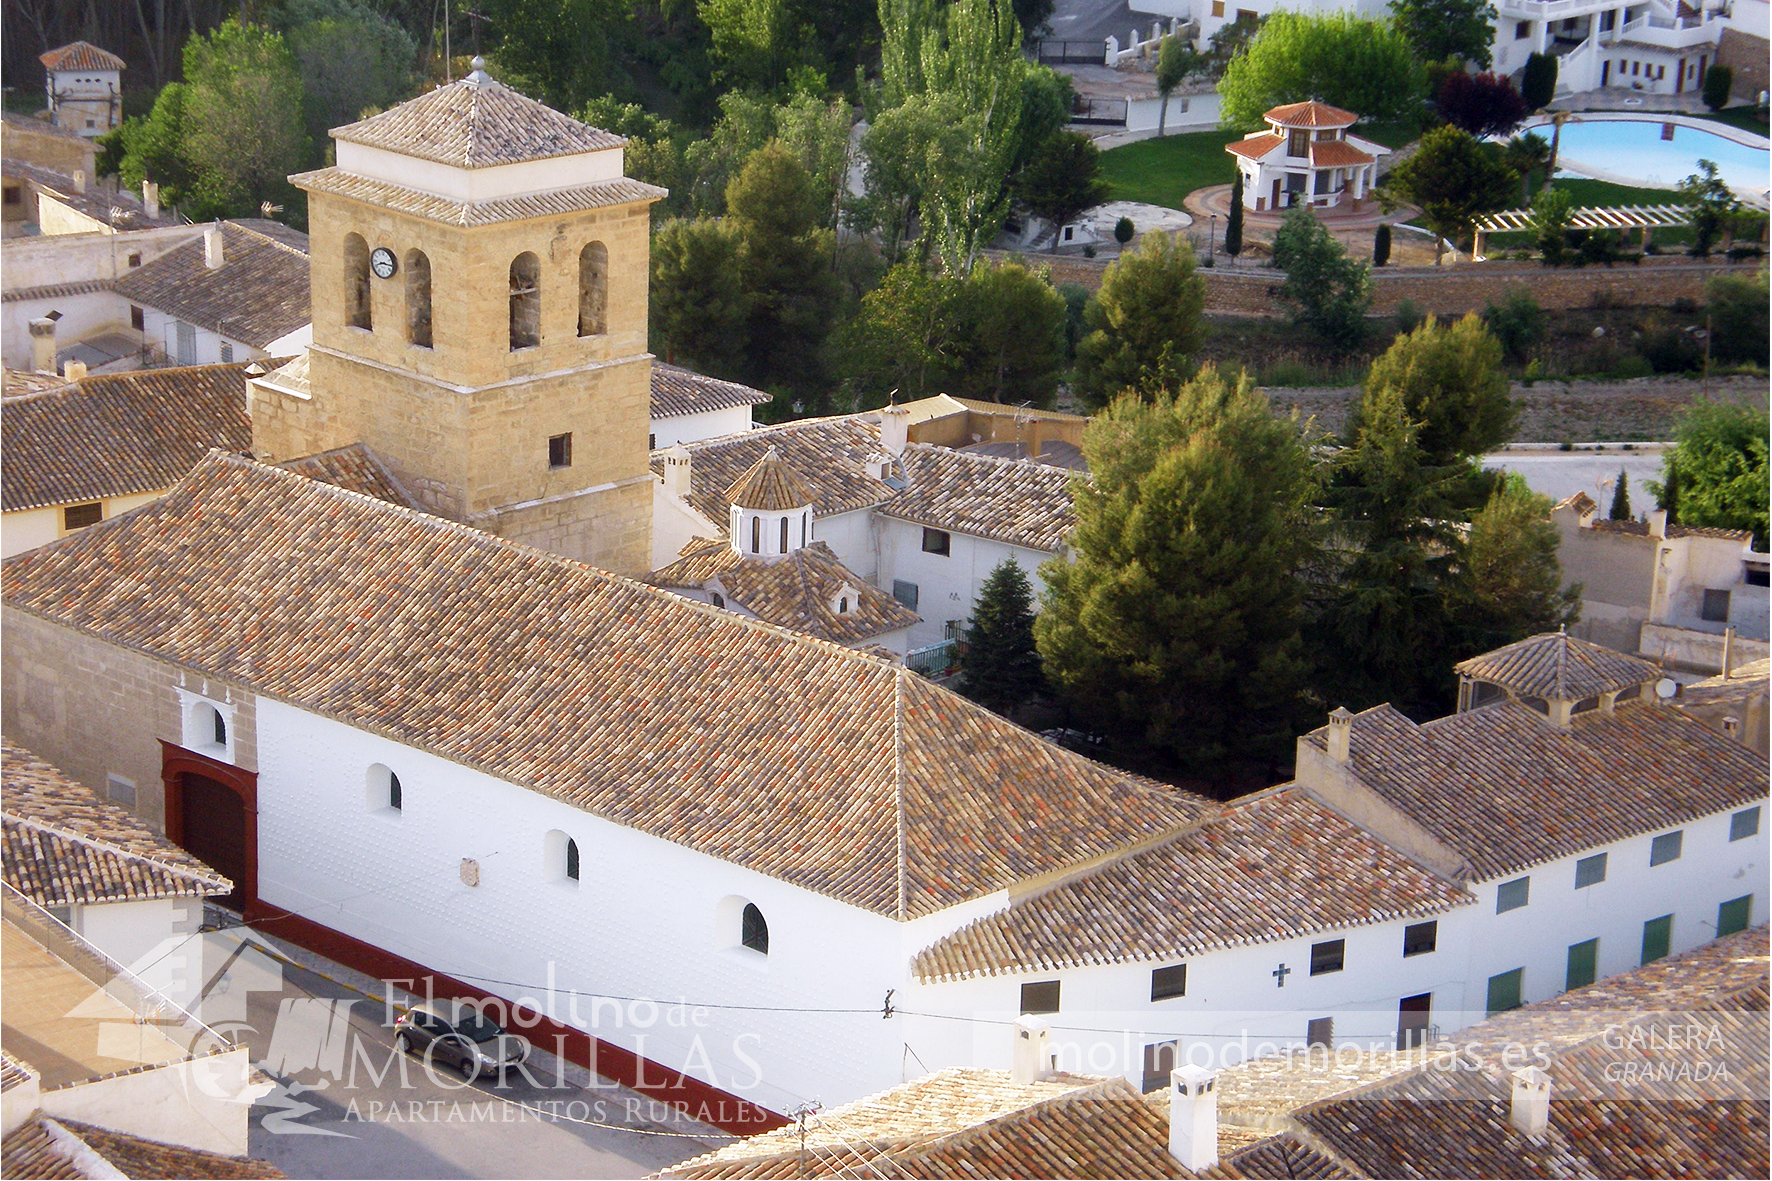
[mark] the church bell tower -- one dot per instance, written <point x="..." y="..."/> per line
<point x="479" y="285"/>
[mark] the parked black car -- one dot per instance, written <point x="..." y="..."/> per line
<point x="459" y="1035"/>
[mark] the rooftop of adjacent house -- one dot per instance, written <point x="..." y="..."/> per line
<point x="1053" y="453"/>
<point x="1557" y="666"/>
<point x="18" y="382"/>
<point x="475" y="122"/>
<point x="1744" y="682"/>
<point x="119" y="434"/>
<point x="13" y="1073"/>
<point x="122" y="210"/>
<point x="1584" y="506"/>
<point x="814" y="764"/>
<point x="1505" y="790"/>
<point x="356" y="467"/>
<point x="1013" y="501"/>
<point x="770" y="485"/>
<point x="1310" y="114"/>
<point x="66" y="845"/>
<point x="81" y="55"/>
<point x="802" y="591"/>
<point x="258" y="294"/>
<point x="52" y="1149"/>
<point x="829" y="454"/>
<point x="677" y="391"/>
<point x="1276" y="866"/>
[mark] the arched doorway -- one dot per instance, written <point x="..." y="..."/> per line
<point x="212" y="812"/>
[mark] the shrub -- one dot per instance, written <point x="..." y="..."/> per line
<point x="1408" y="316"/>
<point x="1517" y="322"/>
<point x="1670" y="349"/>
<point x="1123" y="230"/>
<point x="1381" y="244"/>
<point x="1538" y="84"/>
<point x="1718" y="81"/>
<point x="1599" y="246"/>
<point x="1482" y="104"/>
<point x="1738" y="318"/>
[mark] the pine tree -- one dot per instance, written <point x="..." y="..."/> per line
<point x="1001" y="667"/>
<point x="1233" y="225"/>
<point x="1509" y="584"/>
<point x="1176" y="627"/>
<point x="1381" y="244"/>
<point x="1621" y="498"/>
<point x="1145" y="322"/>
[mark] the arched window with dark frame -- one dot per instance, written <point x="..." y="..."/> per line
<point x="784" y="535"/>
<point x="571" y="859"/>
<point x="593" y="289"/>
<point x="756" y="535"/>
<point x="525" y="301"/>
<point x="418" y="299"/>
<point x="357" y="312"/>
<point x="393" y="791"/>
<point x="753" y="931"/>
<point x="221" y="726"/>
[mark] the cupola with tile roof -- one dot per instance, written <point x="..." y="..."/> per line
<point x="479" y="269"/>
<point x="771" y="509"/>
<point x="1553" y="673"/>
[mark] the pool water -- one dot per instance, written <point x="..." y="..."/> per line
<point x="1632" y="149"/>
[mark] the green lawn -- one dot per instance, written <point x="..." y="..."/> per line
<point x="1589" y="193"/>
<point x="1747" y="118"/>
<point x="1163" y="171"/>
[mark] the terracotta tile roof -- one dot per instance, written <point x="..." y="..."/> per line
<point x="1310" y="114"/>
<point x="1505" y="790"/>
<point x="1007" y="500"/>
<point x="1745" y="682"/>
<point x="95" y="202"/>
<point x="1276" y="867"/>
<point x="356" y="467"/>
<point x="1056" y="453"/>
<point x="475" y="213"/>
<point x="678" y="391"/>
<point x="1555" y="665"/>
<point x="1641" y="529"/>
<point x="795" y="592"/>
<point x="31" y="123"/>
<point x="53" y="290"/>
<point x="19" y="382"/>
<point x="13" y="1072"/>
<point x="770" y="485"/>
<point x="258" y="294"/>
<point x="800" y="759"/>
<point x="81" y="55"/>
<point x="1255" y="146"/>
<point x="65" y="845"/>
<point x="476" y="123"/>
<point x="118" y="434"/>
<point x="1336" y="153"/>
<point x="46" y="1148"/>
<point x="1581" y="503"/>
<point x="1278" y="1156"/>
<point x="828" y="453"/>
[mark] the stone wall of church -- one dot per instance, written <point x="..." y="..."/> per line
<point x="97" y="710"/>
<point x="610" y="528"/>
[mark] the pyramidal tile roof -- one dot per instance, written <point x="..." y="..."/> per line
<point x="81" y="55"/>
<point x="770" y="486"/>
<point x="795" y="591"/>
<point x="476" y="123"/>
<point x="817" y="765"/>
<point x="1310" y="114"/>
<point x="1557" y="666"/>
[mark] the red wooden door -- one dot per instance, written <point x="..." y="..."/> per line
<point x="214" y="829"/>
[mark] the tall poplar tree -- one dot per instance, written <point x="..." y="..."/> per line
<point x="1233" y="225"/>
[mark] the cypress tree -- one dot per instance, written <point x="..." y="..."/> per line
<point x="1001" y="667"/>
<point x="1538" y="85"/>
<point x="1621" y="498"/>
<point x="1381" y="244"/>
<point x="1233" y="225"/>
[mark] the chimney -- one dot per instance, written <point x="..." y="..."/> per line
<point x="151" y="198"/>
<point x="1530" y="1110"/>
<point x="79" y="180"/>
<point x="1193" y="1117"/>
<point x="1031" y="1059"/>
<point x="212" y="247"/>
<point x="43" y="345"/>
<point x="1658" y="523"/>
<point x="1728" y="649"/>
<point x="895" y="428"/>
<point x="1341" y="732"/>
<point x="676" y="472"/>
<point x="74" y="370"/>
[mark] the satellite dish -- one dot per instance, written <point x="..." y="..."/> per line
<point x="1666" y="687"/>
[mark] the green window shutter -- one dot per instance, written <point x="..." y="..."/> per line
<point x="1504" y="991"/>
<point x="1734" y="914"/>
<point x="1583" y="959"/>
<point x="1658" y="935"/>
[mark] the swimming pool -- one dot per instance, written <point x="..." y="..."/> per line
<point x="1656" y="153"/>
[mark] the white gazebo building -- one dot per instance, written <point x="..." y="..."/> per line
<point x="1305" y="156"/>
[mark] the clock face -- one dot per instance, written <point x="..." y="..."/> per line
<point x="381" y="261"/>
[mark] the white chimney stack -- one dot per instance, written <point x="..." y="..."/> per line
<point x="895" y="428"/>
<point x="212" y="247"/>
<point x="43" y="345"/>
<point x="676" y="472"/>
<point x="1530" y="1110"/>
<point x="151" y="198"/>
<point x="1341" y="733"/>
<point x="1658" y="523"/>
<point x="1193" y="1117"/>
<point x="1031" y="1060"/>
<point x="79" y="180"/>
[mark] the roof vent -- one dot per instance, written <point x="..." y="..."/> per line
<point x="1530" y="1110"/>
<point x="1341" y="731"/>
<point x="1193" y="1117"/>
<point x="1031" y="1059"/>
<point x="213" y="256"/>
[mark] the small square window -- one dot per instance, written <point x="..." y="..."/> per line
<point x="79" y="516"/>
<point x="14" y="195"/>
<point x="1658" y="937"/>
<point x="1590" y="871"/>
<point x="227" y="352"/>
<point x="1512" y="895"/>
<point x="1040" y="997"/>
<point x="1666" y="847"/>
<point x="1505" y="991"/>
<point x="1167" y="983"/>
<point x="1734" y="915"/>
<point x="652" y="442"/>
<point x="1320" y="1032"/>
<point x="1745" y="823"/>
<point x="1756" y="575"/>
<point x="560" y="451"/>
<point x="1715" y="608"/>
<point x="138" y="319"/>
<point x="1522" y="30"/>
<point x="936" y="541"/>
<point x="1583" y="964"/>
<point x="905" y="592"/>
<point x="135" y="258"/>
<point x="1217" y="7"/>
<point x="1159" y="1063"/>
<point x="1328" y="957"/>
<point x="1420" y="938"/>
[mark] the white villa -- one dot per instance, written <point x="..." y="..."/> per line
<point x="1306" y="157"/>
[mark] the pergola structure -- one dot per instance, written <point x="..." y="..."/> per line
<point x="1641" y="218"/>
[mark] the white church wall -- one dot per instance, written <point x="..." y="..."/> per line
<point x="693" y="428"/>
<point x="851" y="536"/>
<point x="675" y="525"/>
<point x="647" y="918"/>
<point x="947" y="585"/>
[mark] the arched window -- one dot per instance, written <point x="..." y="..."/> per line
<point x="756" y="535"/>
<point x="560" y="859"/>
<point x="719" y="600"/>
<point x="753" y="931"/>
<point x="418" y="298"/>
<point x="525" y="301"/>
<point x="393" y="791"/>
<point x="803" y="517"/>
<point x="784" y="535"/>
<point x="383" y="792"/>
<point x="220" y="725"/>
<point x="593" y="289"/>
<point x="571" y="859"/>
<point x="357" y="282"/>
